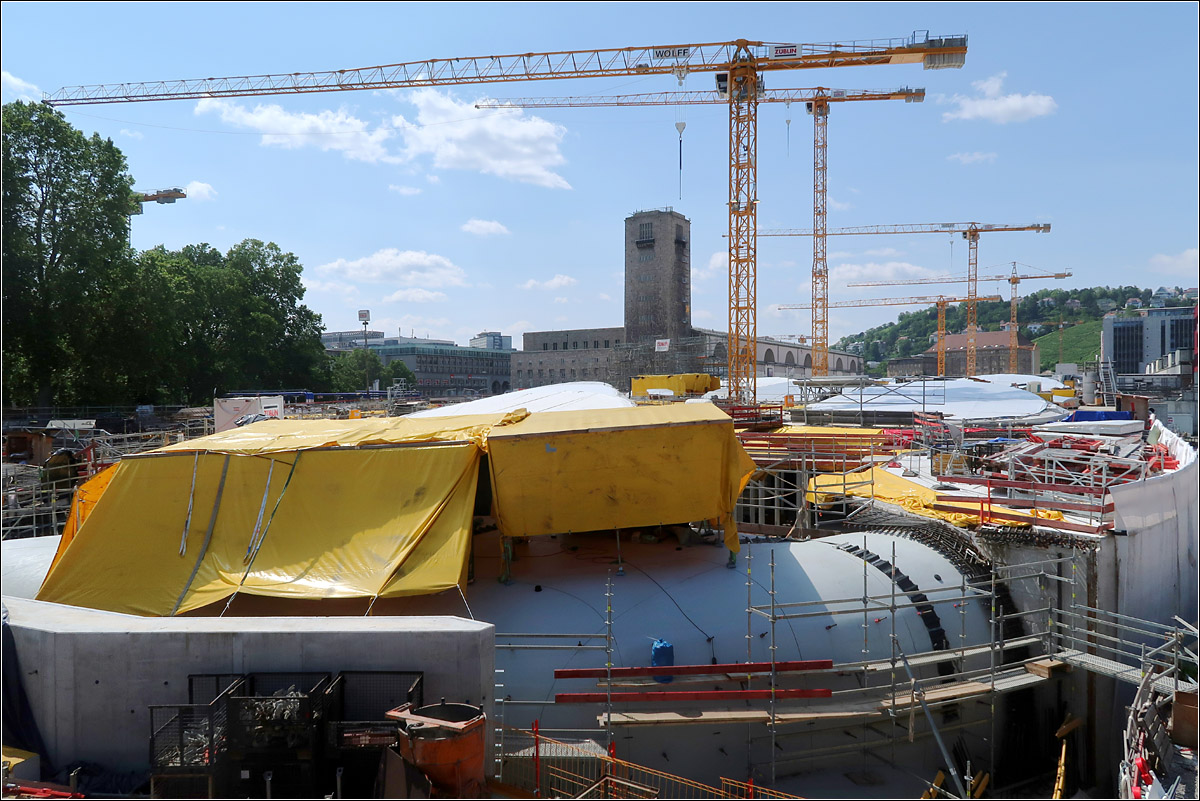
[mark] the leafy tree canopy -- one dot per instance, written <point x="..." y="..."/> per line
<point x="87" y="320"/>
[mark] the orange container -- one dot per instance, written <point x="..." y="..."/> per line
<point x="446" y="742"/>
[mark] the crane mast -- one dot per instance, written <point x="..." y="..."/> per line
<point x="941" y="301"/>
<point x="742" y="61"/>
<point x="970" y="231"/>
<point x="1014" y="279"/>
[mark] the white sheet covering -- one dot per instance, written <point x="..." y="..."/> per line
<point x="574" y="396"/>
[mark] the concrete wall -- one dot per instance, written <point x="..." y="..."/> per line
<point x="91" y="675"/>
<point x="555" y="357"/>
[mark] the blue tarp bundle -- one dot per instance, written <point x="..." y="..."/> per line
<point x="1088" y="416"/>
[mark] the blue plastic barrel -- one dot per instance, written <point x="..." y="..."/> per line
<point x="662" y="654"/>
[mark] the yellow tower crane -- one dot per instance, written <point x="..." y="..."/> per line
<point x="970" y="231"/>
<point x="160" y="196"/>
<point x="1014" y="279"/>
<point x="941" y="301"/>
<point x="739" y="65"/>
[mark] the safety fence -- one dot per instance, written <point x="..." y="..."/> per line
<point x="550" y="768"/>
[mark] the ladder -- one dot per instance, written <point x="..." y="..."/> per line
<point x="1108" y="384"/>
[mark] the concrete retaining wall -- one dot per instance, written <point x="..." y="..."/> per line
<point x="90" y="675"/>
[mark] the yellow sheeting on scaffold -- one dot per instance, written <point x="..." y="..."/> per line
<point x="916" y="498"/>
<point x="827" y="431"/>
<point x="617" y="468"/>
<point x="678" y="383"/>
<point x="380" y="507"/>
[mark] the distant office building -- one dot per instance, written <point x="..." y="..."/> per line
<point x="1135" y="342"/>
<point x="444" y="369"/>
<point x="347" y="340"/>
<point x="491" y="339"/>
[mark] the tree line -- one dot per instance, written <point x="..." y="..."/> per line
<point x="88" y="320"/>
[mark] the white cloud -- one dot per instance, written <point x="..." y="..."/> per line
<point x="842" y="274"/>
<point x="404" y="190"/>
<point x="483" y="227"/>
<point x="347" y="291"/>
<point x="132" y="134"/>
<point x="837" y="205"/>
<point x="881" y="252"/>
<point x="1185" y="264"/>
<point x="557" y="282"/>
<point x="505" y="143"/>
<point x="405" y="267"/>
<point x="995" y="107"/>
<point x="338" y="130"/>
<point x="603" y="296"/>
<point x="561" y="300"/>
<point x="718" y="265"/>
<point x="415" y="296"/>
<point x="198" y="190"/>
<point x="972" y="158"/>
<point x="433" y="179"/>
<point x="19" y="89"/>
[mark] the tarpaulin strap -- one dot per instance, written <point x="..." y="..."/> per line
<point x="212" y="524"/>
<point x="262" y="538"/>
<point x="254" y="536"/>
<point x="187" y="523"/>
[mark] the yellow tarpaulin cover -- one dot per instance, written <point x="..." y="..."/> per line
<point x="86" y="496"/>
<point x="380" y="507"/>
<point x="617" y="468"/>
<point x="276" y="436"/>
<point x="916" y="498"/>
<point x="679" y="383"/>
<point x="309" y="524"/>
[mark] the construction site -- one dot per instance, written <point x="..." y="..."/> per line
<point x="672" y="562"/>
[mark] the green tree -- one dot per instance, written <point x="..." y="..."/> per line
<point x="65" y="257"/>
<point x="353" y="370"/>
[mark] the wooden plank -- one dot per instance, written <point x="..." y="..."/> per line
<point x="1047" y="667"/>
<point x="933" y="657"/>
<point x="693" y="670"/>
<point x="943" y="692"/>
<point x="687" y="695"/>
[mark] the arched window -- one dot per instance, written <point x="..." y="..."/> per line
<point x="808" y="360"/>
<point x="838" y="366"/>
<point x="790" y="358"/>
<point x="769" y="357"/>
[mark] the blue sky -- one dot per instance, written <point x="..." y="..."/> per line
<point x="446" y="220"/>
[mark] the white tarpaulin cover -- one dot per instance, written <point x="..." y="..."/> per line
<point x="575" y="396"/>
<point x="959" y="399"/>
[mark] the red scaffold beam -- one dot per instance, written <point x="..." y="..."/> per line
<point x="693" y="670"/>
<point x="688" y="695"/>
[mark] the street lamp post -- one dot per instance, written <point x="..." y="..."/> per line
<point x="364" y="316"/>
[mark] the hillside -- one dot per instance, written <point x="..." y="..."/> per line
<point x="1080" y="343"/>
<point x="1038" y="315"/>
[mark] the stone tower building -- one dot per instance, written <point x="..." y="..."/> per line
<point x="657" y="276"/>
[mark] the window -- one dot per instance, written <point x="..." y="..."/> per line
<point x="606" y="343"/>
<point x="545" y="346"/>
<point x="644" y="277"/>
<point x="585" y="344"/>
<point x="645" y="230"/>
<point x="596" y="344"/>
<point x="564" y="346"/>
<point x="575" y="345"/>
<point x="556" y="346"/>
<point x="645" y="256"/>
